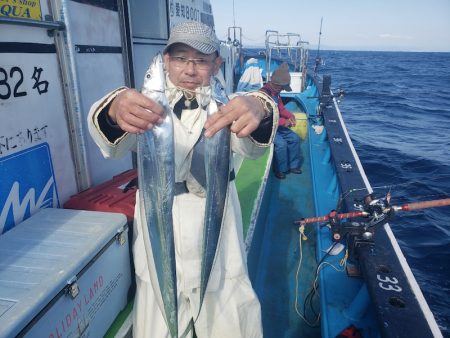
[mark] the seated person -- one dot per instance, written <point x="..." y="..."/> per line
<point x="287" y="153"/>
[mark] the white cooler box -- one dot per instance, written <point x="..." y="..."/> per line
<point x="63" y="273"/>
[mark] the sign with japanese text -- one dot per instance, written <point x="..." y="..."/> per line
<point x="194" y="10"/>
<point x="32" y="113"/>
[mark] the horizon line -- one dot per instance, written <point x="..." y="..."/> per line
<point x="355" y="49"/>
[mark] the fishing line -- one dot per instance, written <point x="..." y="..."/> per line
<point x="311" y="305"/>
<point x="310" y="295"/>
<point x="387" y="186"/>
<point x="315" y="287"/>
<point x="322" y="262"/>
<point x="418" y="199"/>
<point x="302" y="237"/>
<point x="390" y="187"/>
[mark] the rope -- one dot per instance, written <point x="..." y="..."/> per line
<point x="302" y="236"/>
<point x="322" y="264"/>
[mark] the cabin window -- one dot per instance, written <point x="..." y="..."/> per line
<point x="149" y="19"/>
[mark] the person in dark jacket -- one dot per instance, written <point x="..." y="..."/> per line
<point x="287" y="153"/>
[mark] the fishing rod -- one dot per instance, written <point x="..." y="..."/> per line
<point x="318" y="59"/>
<point x="375" y="212"/>
<point x="333" y="215"/>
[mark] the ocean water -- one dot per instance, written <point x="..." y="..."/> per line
<point x="397" y="111"/>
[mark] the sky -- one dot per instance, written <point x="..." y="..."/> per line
<point x="377" y="25"/>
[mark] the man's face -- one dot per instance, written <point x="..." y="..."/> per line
<point x="188" y="68"/>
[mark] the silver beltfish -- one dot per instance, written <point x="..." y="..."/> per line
<point x="156" y="175"/>
<point x="217" y="166"/>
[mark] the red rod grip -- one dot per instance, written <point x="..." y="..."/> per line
<point x="327" y="217"/>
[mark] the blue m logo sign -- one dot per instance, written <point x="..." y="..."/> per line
<point x="27" y="185"/>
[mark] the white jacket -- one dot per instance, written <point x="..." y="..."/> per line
<point x="229" y="294"/>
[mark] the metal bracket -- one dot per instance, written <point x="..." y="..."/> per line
<point x="122" y="236"/>
<point x="72" y="287"/>
<point x="48" y="23"/>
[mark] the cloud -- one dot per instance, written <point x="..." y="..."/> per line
<point x="394" y="37"/>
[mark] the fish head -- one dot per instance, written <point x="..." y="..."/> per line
<point x="154" y="80"/>
<point x="218" y="91"/>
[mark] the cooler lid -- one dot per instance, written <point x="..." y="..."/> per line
<point x="40" y="255"/>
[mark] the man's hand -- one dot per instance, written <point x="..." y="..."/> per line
<point x="293" y="121"/>
<point x="290" y="122"/>
<point x="243" y="114"/>
<point x="134" y="112"/>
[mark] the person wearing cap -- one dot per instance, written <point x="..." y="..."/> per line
<point x="230" y="307"/>
<point x="287" y="152"/>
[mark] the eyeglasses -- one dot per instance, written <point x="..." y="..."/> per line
<point x="181" y="62"/>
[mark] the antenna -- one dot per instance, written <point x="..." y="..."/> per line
<point x="320" y="34"/>
<point x="318" y="59"/>
<point x="234" y="17"/>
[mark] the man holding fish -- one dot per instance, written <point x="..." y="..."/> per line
<point x="190" y="261"/>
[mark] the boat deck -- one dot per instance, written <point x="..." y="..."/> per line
<point x="286" y="201"/>
<point x="248" y="182"/>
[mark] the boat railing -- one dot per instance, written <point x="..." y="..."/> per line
<point x="231" y="52"/>
<point x="289" y="47"/>
<point x="236" y="32"/>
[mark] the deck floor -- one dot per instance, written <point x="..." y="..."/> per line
<point x="275" y="280"/>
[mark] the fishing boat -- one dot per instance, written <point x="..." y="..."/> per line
<point x="342" y="274"/>
<point x="321" y="255"/>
